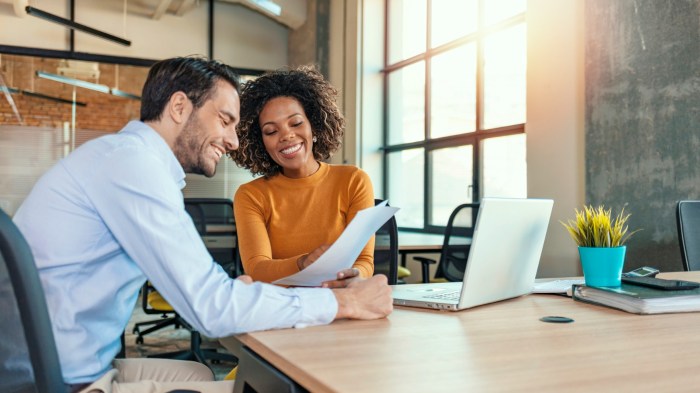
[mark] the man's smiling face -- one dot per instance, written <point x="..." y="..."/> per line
<point x="210" y="132"/>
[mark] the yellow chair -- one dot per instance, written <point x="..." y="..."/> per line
<point x="157" y="302"/>
<point x="232" y="375"/>
<point x="403" y="272"/>
<point x="154" y="303"/>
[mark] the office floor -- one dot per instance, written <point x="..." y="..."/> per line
<point x="167" y="339"/>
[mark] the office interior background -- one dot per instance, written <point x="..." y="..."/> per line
<point x="582" y="101"/>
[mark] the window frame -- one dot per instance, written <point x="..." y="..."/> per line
<point x="473" y="138"/>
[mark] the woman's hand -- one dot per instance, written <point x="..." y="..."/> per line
<point x="245" y="279"/>
<point x="344" y="277"/>
<point x="304" y="261"/>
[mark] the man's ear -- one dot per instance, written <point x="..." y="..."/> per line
<point x="179" y="107"/>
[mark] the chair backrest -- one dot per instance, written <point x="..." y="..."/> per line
<point x="28" y="355"/>
<point x="688" y="220"/>
<point x="214" y="212"/>
<point x="214" y="220"/>
<point x="197" y="213"/>
<point x="457" y="242"/>
<point x="386" y="249"/>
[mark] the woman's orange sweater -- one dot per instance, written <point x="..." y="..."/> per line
<point x="280" y="219"/>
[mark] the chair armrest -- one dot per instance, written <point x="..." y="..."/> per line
<point x="425" y="267"/>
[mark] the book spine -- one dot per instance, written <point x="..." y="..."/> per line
<point x="577" y="294"/>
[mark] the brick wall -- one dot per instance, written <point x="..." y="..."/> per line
<point x="27" y="151"/>
<point x="103" y="112"/>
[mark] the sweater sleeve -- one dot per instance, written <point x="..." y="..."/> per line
<point x="250" y="212"/>
<point x="362" y="197"/>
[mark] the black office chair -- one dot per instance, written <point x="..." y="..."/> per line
<point x="152" y="303"/>
<point x="386" y="249"/>
<point x="455" y="246"/>
<point x="215" y="222"/>
<point x="688" y="221"/>
<point x="28" y="355"/>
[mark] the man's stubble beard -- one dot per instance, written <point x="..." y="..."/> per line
<point x="188" y="149"/>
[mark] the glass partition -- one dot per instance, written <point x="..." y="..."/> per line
<point x="49" y="107"/>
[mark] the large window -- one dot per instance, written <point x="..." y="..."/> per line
<point x="454" y="106"/>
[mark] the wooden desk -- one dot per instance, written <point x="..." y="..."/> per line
<point x="497" y="347"/>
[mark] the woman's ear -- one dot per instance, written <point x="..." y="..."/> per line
<point x="179" y="107"/>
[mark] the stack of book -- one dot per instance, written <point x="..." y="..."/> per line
<point x="639" y="299"/>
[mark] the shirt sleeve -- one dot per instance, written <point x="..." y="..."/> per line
<point x="362" y="197"/>
<point x="143" y="207"/>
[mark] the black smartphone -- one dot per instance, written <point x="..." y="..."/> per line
<point x="644" y="271"/>
<point x="659" y="283"/>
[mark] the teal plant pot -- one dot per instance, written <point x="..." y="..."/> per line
<point x="602" y="266"/>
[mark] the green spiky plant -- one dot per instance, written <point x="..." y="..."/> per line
<point x="595" y="227"/>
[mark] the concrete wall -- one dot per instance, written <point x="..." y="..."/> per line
<point x="247" y="39"/>
<point x="309" y="44"/>
<point x="643" y="118"/>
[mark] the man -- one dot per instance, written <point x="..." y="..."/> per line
<point x="111" y="215"/>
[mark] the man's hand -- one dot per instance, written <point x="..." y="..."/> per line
<point x="343" y="278"/>
<point x="364" y="299"/>
<point x="304" y="261"/>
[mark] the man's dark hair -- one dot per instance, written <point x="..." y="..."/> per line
<point x="194" y="76"/>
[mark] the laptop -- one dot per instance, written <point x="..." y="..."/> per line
<point x="503" y="259"/>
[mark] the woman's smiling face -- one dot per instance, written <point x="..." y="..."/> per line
<point x="288" y="137"/>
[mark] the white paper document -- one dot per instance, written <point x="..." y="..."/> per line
<point x="559" y="286"/>
<point x="343" y="253"/>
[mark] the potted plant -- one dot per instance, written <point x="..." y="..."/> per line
<point x="601" y="244"/>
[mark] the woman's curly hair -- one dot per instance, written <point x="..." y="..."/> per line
<point x="316" y="96"/>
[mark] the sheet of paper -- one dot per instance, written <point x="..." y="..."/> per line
<point x="343" y="253"/>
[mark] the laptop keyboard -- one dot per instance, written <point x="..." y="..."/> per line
<point x="454" y="295"/>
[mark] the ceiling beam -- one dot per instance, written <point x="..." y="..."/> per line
<point x="185" y="6"/>
<point x="19" y="6"/>
<point x="160" y="10"/>
<point x="75" y="26"/>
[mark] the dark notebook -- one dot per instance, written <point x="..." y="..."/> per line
<point x="638" y="299"/>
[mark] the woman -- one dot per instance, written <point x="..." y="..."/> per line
<point x="286" y="219"/>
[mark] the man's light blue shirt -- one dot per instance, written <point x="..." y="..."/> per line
<point x="111" y="215"/>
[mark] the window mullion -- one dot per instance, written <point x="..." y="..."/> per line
<point x="476" y="157"/>
<point x="427" y="179"/>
